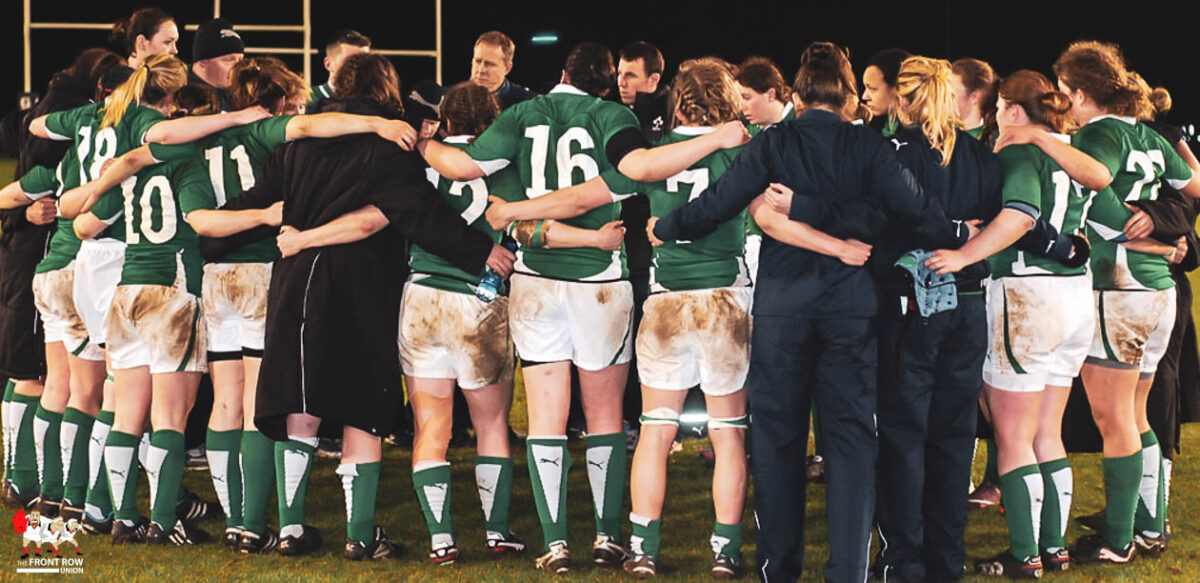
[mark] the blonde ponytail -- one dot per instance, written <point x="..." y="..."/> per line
<point x="925" y="83"/>
<point x="152" y="81"/>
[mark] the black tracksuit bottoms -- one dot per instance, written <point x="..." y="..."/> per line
<point x="930" y="376"/>
<point x="794" y="361"/>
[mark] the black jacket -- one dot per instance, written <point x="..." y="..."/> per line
<point x="970" y="187"/>
<point x="848" y="183"/>
<point x="332" y="312"/>
<point x="23" y="244"/>
<point x="510" y="94"/>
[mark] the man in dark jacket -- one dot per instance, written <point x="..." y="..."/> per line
<point x="215" y="50"/>
<point x="491" y="62"/>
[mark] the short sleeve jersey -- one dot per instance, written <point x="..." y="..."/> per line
<point x="160" y="245"/>
<point x="40" y="182"/>
<point x="1037" y="186"/>
<point x="95" y="145"/>
<point x="234" y="159"/>
<point x="557" y="141"/>
<point x="1138" y="159"/>
<point x="715" y="260"/>
<point x="469" y="199"/>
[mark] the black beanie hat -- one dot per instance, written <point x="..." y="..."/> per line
<point x="216" y="38"/>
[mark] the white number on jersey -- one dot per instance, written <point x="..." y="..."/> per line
<point x="479" y="198"/>
<point x="1151" y="165"/>
<point x="156" y="186"/>
<point x="216" y="170"/>
<point x="105" y="149"/>
<point x="697" y="177"/>
<point x="564" y="161"/>
<point x="1062" y="196"/>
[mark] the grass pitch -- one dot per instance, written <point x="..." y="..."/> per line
<point x="687" y="524"/>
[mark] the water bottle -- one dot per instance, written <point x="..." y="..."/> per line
<point x="489" y="285"/>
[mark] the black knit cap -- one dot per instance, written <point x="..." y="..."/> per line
<point x="216" y="38"/>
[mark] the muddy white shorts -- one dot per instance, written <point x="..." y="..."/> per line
<point x="589" y="324"/>
<point x="1133" y="328"/>
<point x="97" y="272"/>
<point x="696" y="337"/>
<point x="235" y="307"/>
<point x="54" y="295"/>
<point x="450" y="335"/>
<point x="156" y="326"/>
<point x="1039" y="330"/>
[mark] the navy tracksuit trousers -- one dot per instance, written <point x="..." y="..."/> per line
<point x="792" y="362"/>
<point x="930" y="375"/>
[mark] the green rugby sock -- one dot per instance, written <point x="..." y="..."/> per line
<point x="120" y="457"/>
<point x="1122" y="476"/>
<point x="75" y="436"/>
<point x="164" y="467"/>
<point x="494" y="480"/>
<point x="258" y="479"/>
<point x="361" y="483"/>
<point x="24" y="470"/>
<point x="726" y="539"/>
<point x="646" y="538"/>
<point x="1056" y="506"/>
<point x="223" y="449"/>
<point x="46" y="427"/>
<point x="293" y="464"/>
<point x="99" y="503"/>
<point x="606" y="466"/>
<point x="431" y="480"/>
<point x="549" y="461"/>
<point x="1022" y="491"/>
<point x="1149" y="517"/>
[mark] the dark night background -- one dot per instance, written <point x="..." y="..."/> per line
<point x="1010" y="35"/>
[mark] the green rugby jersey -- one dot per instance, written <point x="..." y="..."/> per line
<point x="158" y="241"/>
<point x="716" y="260"/>
<point x="789" y="113"/>
<point x="470" y="200"/>
<point x="1036" y="185"/>
<point x="40" y="182"/>
<point x="556" y="141"/>
<point x="95" y="145"/>
<point x="1138" y="157"/>
<point x="234" y="159"/>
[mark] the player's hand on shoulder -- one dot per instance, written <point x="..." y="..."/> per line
<point x="251" y="114"/>
<point x="732" y="134"/>
<point x="1015" y="135"/>
<point x="400" y="132"/>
